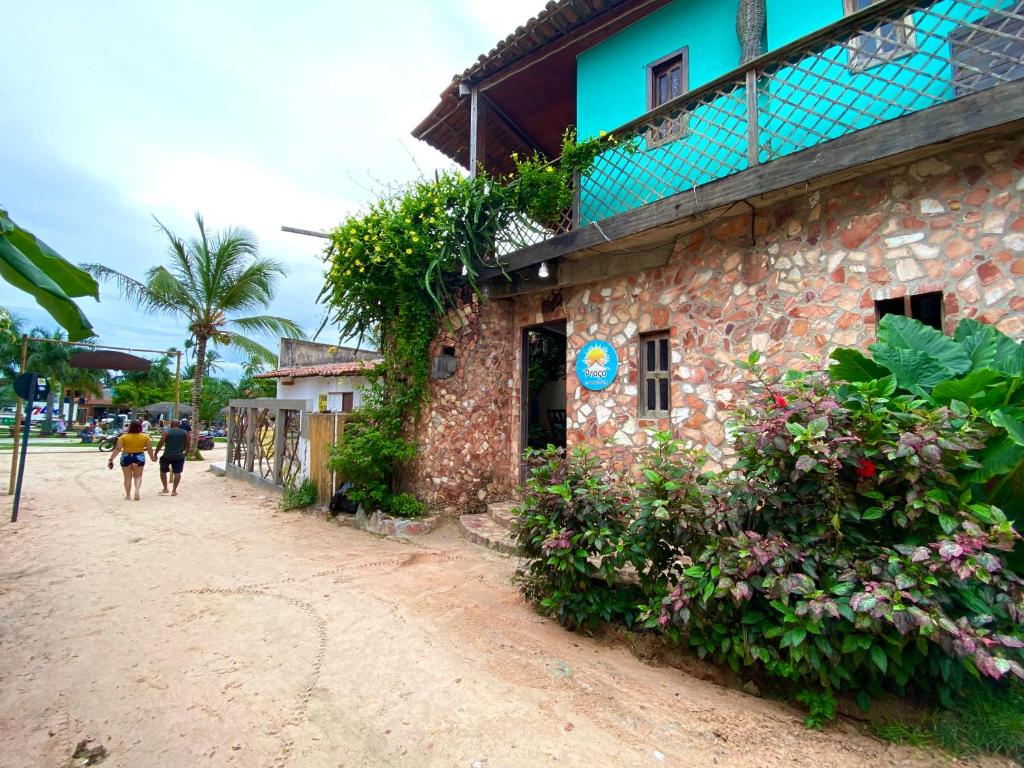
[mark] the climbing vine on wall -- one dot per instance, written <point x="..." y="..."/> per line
<point x="393" y="271"/>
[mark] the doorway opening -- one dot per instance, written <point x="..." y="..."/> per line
<point x="543" y="398"/>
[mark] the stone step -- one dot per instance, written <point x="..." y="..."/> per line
<point x="483" y="530"/>
<point x="501" y="512"/>
<point x="217" y="467"/>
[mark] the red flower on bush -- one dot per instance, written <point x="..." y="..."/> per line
<point x="866" y="468"/>
<point x="780" y="401"/>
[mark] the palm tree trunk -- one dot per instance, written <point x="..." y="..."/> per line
<point x="197" y="390"/>
<point x="50" y="402"/>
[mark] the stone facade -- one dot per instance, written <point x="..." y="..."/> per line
<point x="466" y="428"/>
<point x="792" y="281"/>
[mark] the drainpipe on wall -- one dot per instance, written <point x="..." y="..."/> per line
<point x="751" y="18"/>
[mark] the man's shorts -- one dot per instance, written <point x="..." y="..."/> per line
<point x="173" y="464"/>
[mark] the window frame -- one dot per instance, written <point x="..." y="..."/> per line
<point x="860" y="61"/>
<point x="644" y="375"/>
<point x="908" y="310"/>
<point x="677" y="127"/>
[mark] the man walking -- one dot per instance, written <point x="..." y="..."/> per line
<point x="175" y="443"/>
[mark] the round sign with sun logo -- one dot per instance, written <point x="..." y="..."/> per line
<point x="596" y="365"/>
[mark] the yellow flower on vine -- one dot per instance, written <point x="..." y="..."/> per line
<point x="408" y="250"/>
<point x="415" y="239"/>
<point x="376" y="248"/>
<point x="549" y="169"/>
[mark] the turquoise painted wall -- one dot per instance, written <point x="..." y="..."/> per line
<point x="789" y="20"/>
<point x="612" y="76"/>
<point x="803" y="104"/>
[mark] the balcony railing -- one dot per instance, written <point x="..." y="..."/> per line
<point x="893" y="59"/>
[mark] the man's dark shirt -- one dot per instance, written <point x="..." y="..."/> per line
<point x="174" y="442"/>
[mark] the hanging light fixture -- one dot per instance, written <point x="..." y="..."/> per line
<point x="543" y="271"/>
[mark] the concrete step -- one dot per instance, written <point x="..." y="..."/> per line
<point x="217" y="467"/>
<point x="501" y="512"/>
<point x="483" y="530"/>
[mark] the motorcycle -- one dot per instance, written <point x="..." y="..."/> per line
<point x="107" y="443"/>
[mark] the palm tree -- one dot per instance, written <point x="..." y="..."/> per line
<point x="209" y="279"/>
<point x="51" y="361"/>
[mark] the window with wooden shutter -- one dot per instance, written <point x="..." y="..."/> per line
<point x="667" y="79"/>
<point x="655" y="376"/>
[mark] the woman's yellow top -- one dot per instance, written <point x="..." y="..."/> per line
<point x="134" y="443"/>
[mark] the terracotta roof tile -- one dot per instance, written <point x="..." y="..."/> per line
<point x="324" y="369"/>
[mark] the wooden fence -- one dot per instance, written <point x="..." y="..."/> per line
<point x="277" y="442"/>
<point x="325" y="429"/>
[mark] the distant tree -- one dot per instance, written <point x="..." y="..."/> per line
<point x="216" y="394"/>
<point x="10" y="345"/>
<point x="209" y="280"/>
<point x="251" y="387"/>
<point x="137" y="389"/>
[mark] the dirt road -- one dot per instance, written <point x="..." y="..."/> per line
<point x="212" y="630"/>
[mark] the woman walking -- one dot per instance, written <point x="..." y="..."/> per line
<point x="133" y="445"/>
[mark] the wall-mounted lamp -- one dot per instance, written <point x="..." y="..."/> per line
<point x="543" y="271"/>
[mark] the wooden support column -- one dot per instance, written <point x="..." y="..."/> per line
<point x="477" y="134"/>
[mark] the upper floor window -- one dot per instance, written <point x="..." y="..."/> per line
<point x="655" y="376"/>
<point x="881" y="44"/>
<point x="667" y="79"/>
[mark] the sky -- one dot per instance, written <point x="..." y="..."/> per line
<point x="255" y="114"/>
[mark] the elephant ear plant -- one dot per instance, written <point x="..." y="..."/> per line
<point x="978" y="373"/>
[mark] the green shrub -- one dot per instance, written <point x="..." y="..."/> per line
<point x="370" y="454"/>
<point x="849" y="558"/>
<point x="572" y="530"/>
<point x="980" y="372"/>
<point x="670" y="498"/>
<point x="855" y="546"/>
<point x="405" y="505"/>
<point x="299" y="497"/>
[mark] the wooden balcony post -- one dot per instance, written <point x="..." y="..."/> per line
<point x="753" y="132"/>
<point x="477" y="145"/>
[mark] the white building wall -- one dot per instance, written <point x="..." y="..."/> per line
<point x="310" y="388"/>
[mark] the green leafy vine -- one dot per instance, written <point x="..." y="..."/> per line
<point x="394" y="271"/>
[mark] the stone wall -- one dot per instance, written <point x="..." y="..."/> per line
<point x="465" y="433"/>
<point x="792" y="281"/>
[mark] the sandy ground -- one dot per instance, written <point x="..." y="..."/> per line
<point x="212" y="629"/>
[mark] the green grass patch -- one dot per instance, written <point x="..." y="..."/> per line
<point x="299" y="497"/>
<point x="988" y="718"/>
